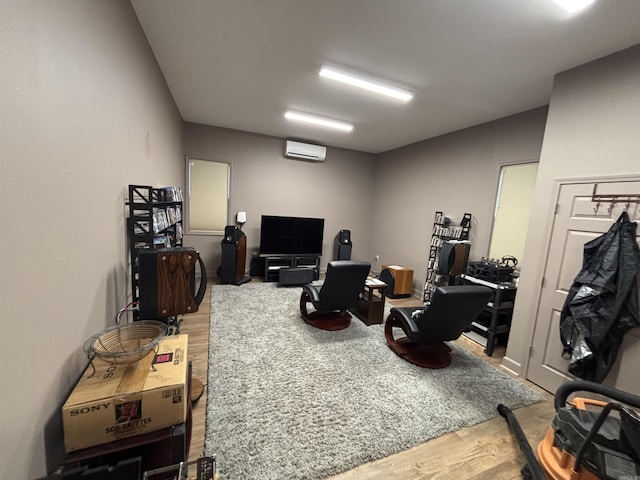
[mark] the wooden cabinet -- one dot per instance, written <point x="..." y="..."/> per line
<point x="399" y="280"/>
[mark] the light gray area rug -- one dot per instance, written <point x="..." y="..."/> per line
<point x="287" y="401"/>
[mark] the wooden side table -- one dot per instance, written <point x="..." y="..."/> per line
<point x="370" y="307"/>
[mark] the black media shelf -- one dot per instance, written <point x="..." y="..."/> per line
<point x="154" y="221"/>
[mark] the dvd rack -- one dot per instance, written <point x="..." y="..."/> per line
<point x="442" y="231"/>
<point x="154" y="221"/>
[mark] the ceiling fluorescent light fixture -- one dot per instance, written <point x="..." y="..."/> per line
<point x="371" y="85"/>
<point x="316" y="120"/>
<point x="572" y="6"/>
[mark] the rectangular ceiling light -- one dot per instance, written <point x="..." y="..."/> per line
<point x="574" y="5"/>
<point x="316" y="120"/>
<point x="361" y="82"/>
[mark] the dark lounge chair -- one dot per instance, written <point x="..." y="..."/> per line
<point x="344" y="281"/>
<point x="451" y="311"/>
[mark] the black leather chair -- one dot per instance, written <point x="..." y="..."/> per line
<point x="343" y="283"/>
<point x="451" y="311"/>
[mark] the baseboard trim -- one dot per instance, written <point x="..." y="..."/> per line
<point x="512" y="366"/>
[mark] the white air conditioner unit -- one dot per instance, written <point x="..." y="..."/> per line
<point x="306" y="151"/>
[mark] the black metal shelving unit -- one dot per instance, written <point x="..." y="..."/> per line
<point x="154" y="221"/>
<point x="493" y="325"/>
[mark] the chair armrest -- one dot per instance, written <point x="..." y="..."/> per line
<point x="406" y="316"/>
<point x="313" y="291"/>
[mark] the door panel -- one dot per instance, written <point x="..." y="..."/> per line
<point x="573" y="263"/>
<point x="553" y="349"/>
<point x="577" y="221"/>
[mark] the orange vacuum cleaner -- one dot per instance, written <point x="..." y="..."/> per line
<point x="588" y="439"/>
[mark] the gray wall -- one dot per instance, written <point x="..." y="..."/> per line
<point x="264" y="182"/>
<point x="454" y="173"/>
<point x="85" y="111"/>
<point x="387" y="201"/>
<point x="592" y="130"/>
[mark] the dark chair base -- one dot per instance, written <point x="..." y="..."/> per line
<point x="323" y="320"/>
<point x="437" y="355"/>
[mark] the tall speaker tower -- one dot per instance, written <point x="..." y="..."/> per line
<point x="342" y="245"/>
<point x="234" y="256"/>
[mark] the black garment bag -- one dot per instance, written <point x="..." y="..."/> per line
<point x="602" y="304"/>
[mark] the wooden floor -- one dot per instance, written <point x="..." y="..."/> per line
<point x="485" y="451"/>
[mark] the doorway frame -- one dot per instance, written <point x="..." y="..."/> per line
<point x="521" y="369"/>
<point x="497" y="193"/>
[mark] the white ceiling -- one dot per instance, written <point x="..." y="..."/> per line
<point x="242" y="63"/>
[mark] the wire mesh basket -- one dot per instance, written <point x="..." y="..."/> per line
<point x="127" y="343"/>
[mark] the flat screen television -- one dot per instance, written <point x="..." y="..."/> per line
<point x="291" y="235"/>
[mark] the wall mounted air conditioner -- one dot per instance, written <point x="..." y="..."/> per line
<point x="306" y="151"/>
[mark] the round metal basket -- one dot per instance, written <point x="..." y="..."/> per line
<point x="126" y="343"/>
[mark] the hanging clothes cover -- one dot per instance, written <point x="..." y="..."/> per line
<point x="602" y="304"/>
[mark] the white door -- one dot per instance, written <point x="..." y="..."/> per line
<point x="577" y="221"/>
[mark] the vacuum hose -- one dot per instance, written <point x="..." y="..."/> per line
<point x="532" y="470"/>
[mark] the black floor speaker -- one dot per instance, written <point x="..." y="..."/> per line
<point x="234" y="256"/>
<point x="342" y="245"/>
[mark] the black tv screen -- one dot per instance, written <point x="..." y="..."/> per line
<point x="291" y="235"/>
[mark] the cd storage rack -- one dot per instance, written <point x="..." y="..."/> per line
<point x="154" y="221"/>
<point x="442" y="231"/>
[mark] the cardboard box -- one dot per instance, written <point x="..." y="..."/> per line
<point x="123" y="400"/>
